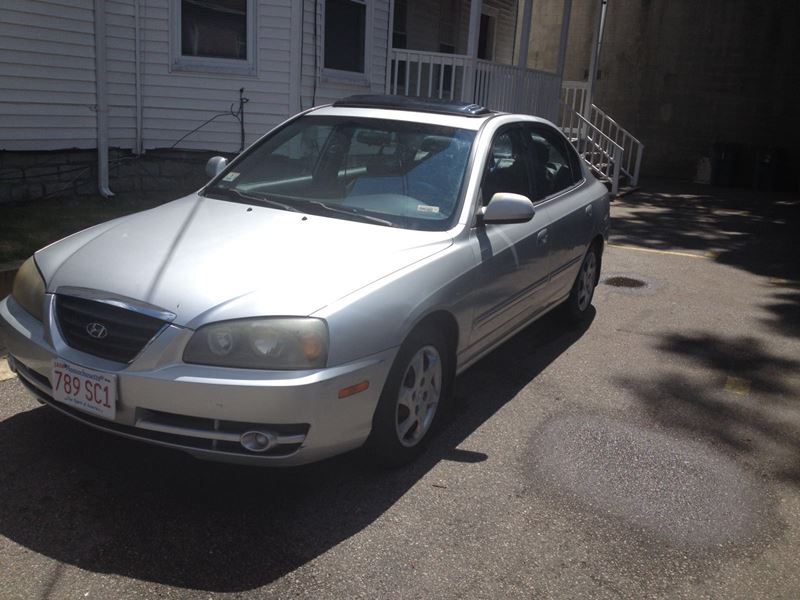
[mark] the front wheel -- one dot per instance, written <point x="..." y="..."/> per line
<point x="411" y="402"/>
<point x="580" y="298"/>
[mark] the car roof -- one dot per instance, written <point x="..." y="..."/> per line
<point x="432" y="111"/>
<point x="410" y="103"/>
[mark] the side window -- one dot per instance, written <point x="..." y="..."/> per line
<point x="552" y="169"/>
<point x="506" y="168"/>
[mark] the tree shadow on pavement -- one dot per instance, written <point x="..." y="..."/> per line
<point x="732" y="393"/>
<point x="784" y="309"/>
<point x="745" y="229"/>
<point x="110" y="505"/>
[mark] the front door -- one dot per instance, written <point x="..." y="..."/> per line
<point x="512" y="258"/>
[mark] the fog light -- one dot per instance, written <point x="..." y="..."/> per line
<point x="258" y="441"/>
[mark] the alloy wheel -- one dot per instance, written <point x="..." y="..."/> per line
<point x="418" y="396"/>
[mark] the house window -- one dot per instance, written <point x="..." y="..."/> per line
<point x="213" y="35"/>
<point x="345" y="35"/>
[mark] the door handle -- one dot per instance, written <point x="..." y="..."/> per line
<point x="542" y="237"/>
<point x="589" y="211"/>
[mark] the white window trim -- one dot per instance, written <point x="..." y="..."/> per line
<point x="204" y="64"/>
<point x="351" y="77"/>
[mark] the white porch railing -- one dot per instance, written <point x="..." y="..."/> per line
<point x="575" y="102"/>
<point x="516" y="89"/>
<point x="458" y="77"/>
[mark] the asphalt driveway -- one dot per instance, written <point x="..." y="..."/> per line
<point x="654" y="452"/>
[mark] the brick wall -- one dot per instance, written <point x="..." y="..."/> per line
<point x="684" y="76"/>
<point x="31" y="176"/>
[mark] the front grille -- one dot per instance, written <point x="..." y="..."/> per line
<point x="127" y="331"/>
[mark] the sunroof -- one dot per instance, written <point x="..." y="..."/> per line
<point x="431" y="105"/>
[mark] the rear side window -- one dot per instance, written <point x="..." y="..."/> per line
<point x="553" y="166"/>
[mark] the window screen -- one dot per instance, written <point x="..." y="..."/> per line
<point x="214" y="28"/>
<point x="345" y="26"/>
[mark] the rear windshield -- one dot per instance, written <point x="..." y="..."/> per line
<point x="393" y="173"/>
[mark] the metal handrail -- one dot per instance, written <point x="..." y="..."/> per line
<point x="603" y="155"/>
<point x="633" y="148"/>
<point x="575" y="97"/>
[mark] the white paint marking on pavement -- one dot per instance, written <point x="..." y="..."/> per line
<point x="707" y="255"/>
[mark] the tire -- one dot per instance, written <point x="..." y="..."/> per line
<point x="413" y="399"/>
<point x="582" y="293"/>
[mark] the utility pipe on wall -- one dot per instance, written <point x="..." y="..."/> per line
<point x="564" y="39"/>
<point x="139" y="145"/>
<point x="101" y="94"/>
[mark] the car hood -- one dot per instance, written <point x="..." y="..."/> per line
<point x="206" y="259"/>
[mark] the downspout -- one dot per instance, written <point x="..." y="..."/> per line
<point x="102" y="97"/>
<point x="594" y="58"/>
<point x="139" y="145"/>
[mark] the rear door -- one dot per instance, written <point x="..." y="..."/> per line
<point x="557" y="179"/>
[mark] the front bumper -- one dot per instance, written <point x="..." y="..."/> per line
<point x="203" y="410"/>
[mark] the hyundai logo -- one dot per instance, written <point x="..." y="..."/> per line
<point x="97" y="330"/>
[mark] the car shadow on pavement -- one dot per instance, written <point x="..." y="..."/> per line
<point x="744" y="400"/>
<point x="110" y="505"/>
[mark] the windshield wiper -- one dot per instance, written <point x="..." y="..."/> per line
<point x="350" y="212"/>
<point x="234" y="194"/>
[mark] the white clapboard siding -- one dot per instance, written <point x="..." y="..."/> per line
<point x="47" y="91"/>
<point x="331" y="87"/>
<point x="121" y="73"/>
<point x="47" y="75"/>
<point x="175" y="102"/>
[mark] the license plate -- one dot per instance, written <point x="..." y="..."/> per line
<point x="94" y="392"/>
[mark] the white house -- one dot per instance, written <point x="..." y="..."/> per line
<point x="138" y="75"/>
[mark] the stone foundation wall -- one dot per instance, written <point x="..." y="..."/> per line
<point x="31" y="176"/>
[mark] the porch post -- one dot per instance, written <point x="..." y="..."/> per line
<point x="468" y="84"/>
<point x="562" y="45"/>
<point x="525" y="35"/>
<point x="593" y="61"/>
<point x="389" y="48"/>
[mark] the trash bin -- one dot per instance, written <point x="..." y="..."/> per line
<point x="765" y="176"/>
<point x="724" y="163"/>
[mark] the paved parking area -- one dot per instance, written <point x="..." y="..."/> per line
<point x="654" y="452"/>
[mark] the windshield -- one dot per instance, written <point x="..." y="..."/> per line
<point x="393" y="173"/>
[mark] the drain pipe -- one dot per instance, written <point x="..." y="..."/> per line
<point x="101" y="94"/>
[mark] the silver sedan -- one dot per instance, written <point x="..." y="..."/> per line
<point x="322" y="292"/>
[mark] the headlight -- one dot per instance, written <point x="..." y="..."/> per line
<point x="28" y="288"/>
<point x="265" y="343"/>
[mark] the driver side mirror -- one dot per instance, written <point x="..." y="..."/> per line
<point x="215" y="166"/>
<point x="505" y="207"/>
